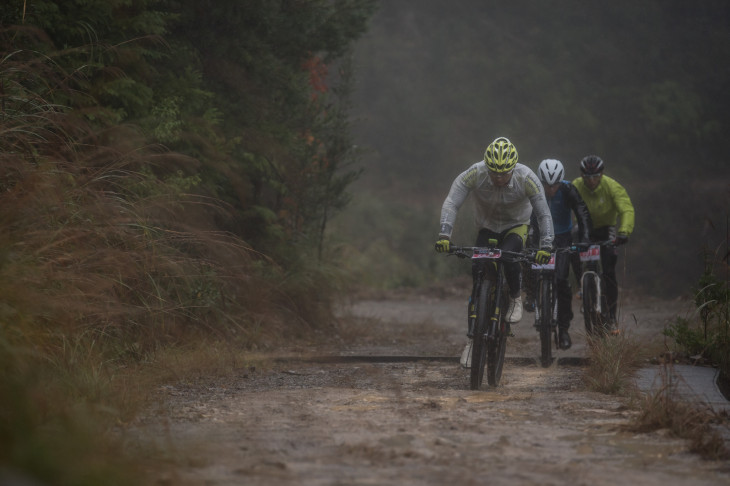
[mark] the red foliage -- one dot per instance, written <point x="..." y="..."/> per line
<point x="317" y="75"/>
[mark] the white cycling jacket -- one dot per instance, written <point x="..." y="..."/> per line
<point x="499" y="208"/>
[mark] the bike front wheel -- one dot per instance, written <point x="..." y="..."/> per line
<point x="479" y="346"/>
<point x="545" y="307"/>
<point x="497" y="344"/>
<point x="591" y="316"/>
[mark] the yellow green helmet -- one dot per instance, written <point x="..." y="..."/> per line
<point x="501" y="155"/>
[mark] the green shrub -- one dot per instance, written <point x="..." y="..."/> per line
<point x="708" y="335"/>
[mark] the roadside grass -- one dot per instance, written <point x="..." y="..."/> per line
<point x="48" y="436"/>
<point x="613" y="362"/>
<point x="701" y="338"/>
<point x="96" y="328"/>
<point x="63" y="416"/>
<point x="663" y="409"/>
<point x="115" y="278"/>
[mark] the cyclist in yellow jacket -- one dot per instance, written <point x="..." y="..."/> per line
<point x="612" y="217"/>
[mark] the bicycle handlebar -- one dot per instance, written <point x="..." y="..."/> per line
<point x="578" y="247"/>
<point x="467" y="251"/>
<point x="526" y="255"/>
<point x="582" y="246"/>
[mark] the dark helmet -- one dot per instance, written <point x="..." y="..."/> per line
<point x="591" y="164"/>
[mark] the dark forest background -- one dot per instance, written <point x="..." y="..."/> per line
<point x="642" y="84"/>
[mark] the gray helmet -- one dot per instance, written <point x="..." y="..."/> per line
<point x="550" y="171"/>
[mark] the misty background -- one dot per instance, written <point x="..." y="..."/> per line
<point x="644" y="85"/>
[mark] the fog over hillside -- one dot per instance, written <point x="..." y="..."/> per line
<point x="643" y="85"/>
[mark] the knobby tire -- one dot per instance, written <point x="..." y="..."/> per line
<point x="479" y="348"/>
<point x="497" y="346"/>
<point x="545" y="303"/>
<point x="590" y="296"/>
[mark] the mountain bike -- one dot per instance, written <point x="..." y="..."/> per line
<point x="591" y="286"/>
<point x="489" y="329"/>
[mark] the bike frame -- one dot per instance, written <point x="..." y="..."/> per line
<point x="590" y="259"/>
<point x="490" y="328"/>
<point x="592" y="285"/>
<point x="543" y="273"/>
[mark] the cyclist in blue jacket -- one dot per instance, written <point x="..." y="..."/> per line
<point x="564" y="201"/>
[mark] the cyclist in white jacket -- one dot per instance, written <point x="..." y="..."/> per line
<point x="505" y="194"/>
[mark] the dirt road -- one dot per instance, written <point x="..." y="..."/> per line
<point x="372" y="418"/>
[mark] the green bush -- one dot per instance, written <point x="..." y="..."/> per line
<point x="708" y="335"/>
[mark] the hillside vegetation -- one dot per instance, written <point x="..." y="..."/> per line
<point x="167" y="172"/>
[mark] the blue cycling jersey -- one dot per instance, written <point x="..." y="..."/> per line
<point x="560" y="211"/>
<point x="566" y="200"/>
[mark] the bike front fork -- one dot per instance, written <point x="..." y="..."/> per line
<point x="471" y="313"/>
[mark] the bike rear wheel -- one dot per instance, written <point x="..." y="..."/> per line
<point x="545" y="307"/>
<point x="497" y="344"/>
<point x="591" y="316"/>
<point x="479" y="347"/>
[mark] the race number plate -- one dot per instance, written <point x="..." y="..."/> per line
<point x="592" y="254"/>
<point x="492" y="253"/>
<point x="547" y="266"/>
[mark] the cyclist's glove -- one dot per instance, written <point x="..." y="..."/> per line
<point x="443" y="245"/>
<point x="542" y="257"/>
<point x="622" y="239"/>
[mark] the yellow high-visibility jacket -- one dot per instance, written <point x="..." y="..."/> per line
<point x="608" y="204"/>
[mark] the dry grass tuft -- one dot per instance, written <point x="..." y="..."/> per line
<point x="613" y="361"/>
<point x="663" y="409"/>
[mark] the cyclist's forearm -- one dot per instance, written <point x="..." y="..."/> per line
<point x="449" y="210"/>
<point x="624" y="207"/>
<point x="626" y="221"/>
<point x="541" y="211"/>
